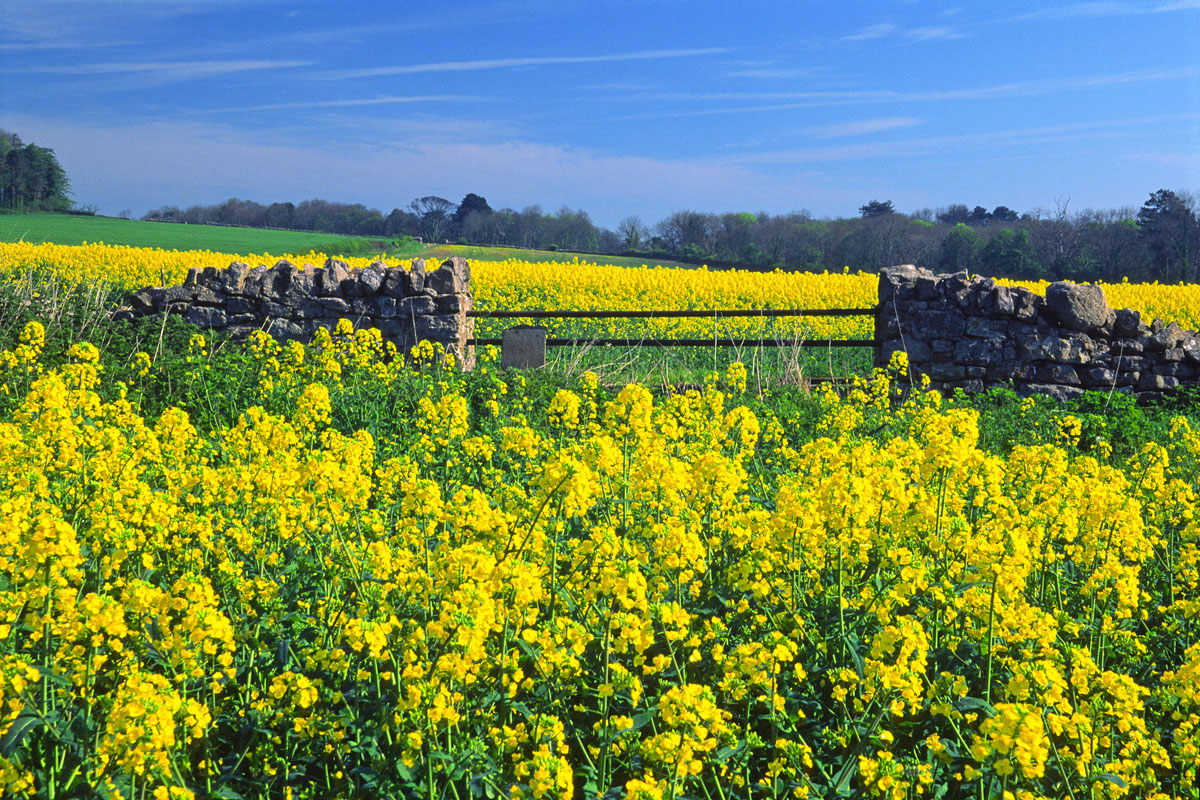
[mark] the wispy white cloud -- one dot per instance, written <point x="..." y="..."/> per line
<point x="352" y="102"/>
<point x="507" y="63"/>
<point x="871" y="32"/>
<point x="792" y="100"/>
<point x="884" y="30"/>
<point x="1068" y="132"/>
<point x="1104" y="9"/>
<point x="176" y="70"/>
<point x="862" y="127"/>
<point x="783" y="73"/>
<point x="933" y="34"/>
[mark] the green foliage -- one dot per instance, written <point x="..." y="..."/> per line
<point x="73" y="230"/>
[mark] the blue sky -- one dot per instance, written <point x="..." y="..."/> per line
<point x="617" y="107"/>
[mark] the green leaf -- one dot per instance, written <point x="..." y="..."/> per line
<point x="20" y="728"/>
<point x="975" y="704"/>
<point x="1116" y="780"/>
<point x="642" y="720"/>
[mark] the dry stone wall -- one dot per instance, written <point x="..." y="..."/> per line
<point x="968" y="332"/>
<point x="292" y="302"/>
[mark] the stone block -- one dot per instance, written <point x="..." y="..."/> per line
<point x="1126" y="323"/>
<point x="417" y="306"/>
<point x="938" y="324"/>
<point x="241" y="305"/>
<point x="205" y="317"/>
<point x="1058" y="373"/>
<point x="453" y="277"/>
<point x="371" y="278"/>
<point x="1151" y="382"/>
<point x="1059" y="393"/>
<point x="946" y="372"/>
<point x="980" y="352"/>
<point x="397" y="284"/>
<point x="987" y="328"/>
<point x="416" y="276"/>
<point x="455" y="303"/>
<point x="1079" y="307"/>
<point x="523" y="347"/>
<point x="1094" y="377"/>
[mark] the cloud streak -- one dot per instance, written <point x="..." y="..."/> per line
<point x="509" y="63"/>
<point x="825" y="98"/>
<point x="177" y="70"/>
<point x="382" y="100"/>
<point x="862" y="127"/>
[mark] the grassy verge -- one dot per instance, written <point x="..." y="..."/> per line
<point x="67" y="229"/>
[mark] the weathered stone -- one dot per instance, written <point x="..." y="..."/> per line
<point x="998" y="301"/>
<point x="1080" y="307"/>
<point x="1097" y="376"/>
<point x="437" y="328"/>
<point x="371" y="279"/>
<point x="946" y="372"/>
<point x="987" y="328"/>
<point x="1057" y="373"/>
<point x="1056" y="391"/>
<point x="938" y="324"/>
<point x="942" y="346"/>
<point x="147" y="301"/>
<point x="454" y="303"/>
<point x="980" y="352"/>
<point x="335" y="305"/>
<point x="1156" y="383"/>
<point x="1064" y="349"/>
<point x="330" y="279"/>
<point x="278" y="281"/>
<point x="416" y="276"/>
<point x="899" y="282"/>
<point x="387" y="307"/>
<point x="207" y="297"/>
<point x="417" y="306"/>
<point x="1179" y="369"/>
<point x="956" y="287"/>
<point x="241" y="305"/>
<point x="1168" y="336"/>
<point x="1172" y="354"/>
<point x="205" y="317"/>
<point x="927" y="287"/>
<point x="253" y="285"/>
<point x="1126" y="322"/>
<point x="1025" y="303"/>
<point x="918" y="351"/>
<point x="397" y="284"/>
<point x="452" y="277"/>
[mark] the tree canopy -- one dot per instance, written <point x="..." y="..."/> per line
<point x="31" y="179"/>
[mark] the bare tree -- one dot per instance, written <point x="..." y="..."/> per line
<point x="632" y="232"/>
<point x="435" y="215"/>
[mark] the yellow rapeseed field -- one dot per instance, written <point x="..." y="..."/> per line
<point x="555" y="286"/>
<point x="584" y="595"/>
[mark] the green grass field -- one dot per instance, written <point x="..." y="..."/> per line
<point x="74" y="230"/>
<point x="483" y="253"/>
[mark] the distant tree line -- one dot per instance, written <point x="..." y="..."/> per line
<point x="31" y="179"/>
<point x="1158" y="241"/>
